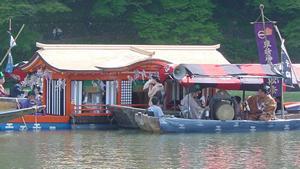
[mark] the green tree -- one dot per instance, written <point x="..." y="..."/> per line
<point x="109" y="8"/>
<point x="26" y="12"/>
<point x="176" y="22"/>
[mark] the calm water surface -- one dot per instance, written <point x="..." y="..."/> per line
<point x="135" y="149"/>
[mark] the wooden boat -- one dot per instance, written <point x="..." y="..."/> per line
<point x="8" y="103"/>
<point x="147" y="123"/>
<point x="6" y="116"/>
<point x="125" y="116"/>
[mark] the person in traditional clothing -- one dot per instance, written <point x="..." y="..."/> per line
<point x="190" y="107"/>
<point x="155" y="88"/>
<point x="30" y="101"/>
<point x="262" y="106"/>
<point x="157" y="111"/>
<point x="16" y="89"/>
<point x="3" y="93"/>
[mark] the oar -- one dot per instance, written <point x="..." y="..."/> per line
<point x="9" y="49"/>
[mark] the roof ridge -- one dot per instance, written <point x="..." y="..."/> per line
<point x="125" y="46"/>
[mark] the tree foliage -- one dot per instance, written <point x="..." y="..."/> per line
<point x="26" y="12"/>
<point x="177" y="22"/>
<point x="109" y="8"/>
<point x="149" y="22"/>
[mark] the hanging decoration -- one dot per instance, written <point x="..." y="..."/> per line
<point x="60" y="84"/>
<point x="36" y="79"/>
<point x="142" y="75"/>
<point x="99" y="84"/>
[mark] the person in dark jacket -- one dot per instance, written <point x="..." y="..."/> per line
<point x="30" y="101"/>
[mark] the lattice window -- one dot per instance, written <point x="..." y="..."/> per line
<point x="55" y="101"/>
<point x="126" y="92"/>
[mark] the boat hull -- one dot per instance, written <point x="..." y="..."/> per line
<point x="125" y="116"/>
<point x="13" y="114"/>
<point x="34" y="126"/>
<point x="178" y="125"/>
<point x="9" y="103"/>
<point x="147" y="123"/>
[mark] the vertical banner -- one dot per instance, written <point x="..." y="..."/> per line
<point x="286" y="66"/>
<point x="267" y="50"/>
<point x="10" y="63"/>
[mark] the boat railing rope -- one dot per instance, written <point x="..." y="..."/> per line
<point x="23" y="119"/>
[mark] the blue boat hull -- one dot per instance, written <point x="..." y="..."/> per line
<point x="33" y="126"/>
<point x="179" y="125"/>
<point x="52" y="126"/>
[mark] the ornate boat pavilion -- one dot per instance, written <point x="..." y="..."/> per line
<point x="80" y="78"/>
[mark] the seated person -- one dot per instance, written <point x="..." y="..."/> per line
<point x="201" y="99"/>
<point x="262" y="106"/>
<point x="191" y="106"/>
<point x="157" y="111"/>
<point x="30" y="101"/>
<point x="3" y="93"/>
<point x="16" y="90"/>
<point x="238" y="107"/>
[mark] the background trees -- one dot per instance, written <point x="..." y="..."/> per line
<point x="148" y="22"/>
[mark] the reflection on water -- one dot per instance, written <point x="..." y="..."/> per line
<point x="135" y="149"/>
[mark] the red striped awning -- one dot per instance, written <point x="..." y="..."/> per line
<point x="231" y="70"/>
<point x="225" y="83"/>
<point x="229" y="76"/>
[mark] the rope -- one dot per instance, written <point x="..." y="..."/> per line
<point x="18" y="106"/>
<point x="35" y="114"/>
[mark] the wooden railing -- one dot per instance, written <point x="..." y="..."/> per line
<point x="99" y="108"/>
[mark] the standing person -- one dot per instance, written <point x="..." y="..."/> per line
<point x="155" y="88"/>
<point x="157" y="111"/>
<point x="3" y="93"/>
<point x="262" y="106"/>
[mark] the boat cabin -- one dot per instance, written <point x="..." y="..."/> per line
<point x="82" y="79"/>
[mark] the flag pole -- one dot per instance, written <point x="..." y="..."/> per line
<point x="282" y="99"/>
<point x="261" y="7"/>
<point x="9" y="49"/>
<point x="9" y="26"/>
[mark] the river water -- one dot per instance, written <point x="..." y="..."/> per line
<point x="136" y="149"/>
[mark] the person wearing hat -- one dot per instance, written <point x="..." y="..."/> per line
<point x="262" y="106"/>
<point x="3" y="93"/>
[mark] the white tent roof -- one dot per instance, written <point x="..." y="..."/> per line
<point x="93" y="57"/>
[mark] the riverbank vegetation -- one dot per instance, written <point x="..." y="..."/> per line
<point x="148" y="22"/>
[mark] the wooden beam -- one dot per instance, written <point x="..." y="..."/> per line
<point x="68" y="98"/>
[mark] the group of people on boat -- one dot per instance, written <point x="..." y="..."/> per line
<point x="194" y="105"/>
<point x="33" y="97"/>
<point x="156" y="94"/>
